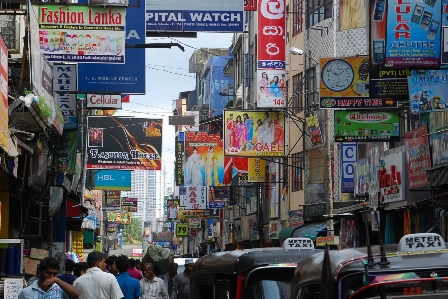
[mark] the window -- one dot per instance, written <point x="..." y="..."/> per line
<point x="319" y="10"/>
<point x="297" y="17"/>
<point x="311" y="87"/>
<point x="297" y="170"/>
<point x="297" y="95"/>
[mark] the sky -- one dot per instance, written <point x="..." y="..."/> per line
<point x="166" y="76"/>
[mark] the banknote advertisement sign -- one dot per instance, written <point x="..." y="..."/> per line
<point x="124" y="143"/>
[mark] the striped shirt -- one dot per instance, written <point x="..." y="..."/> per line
<point x="152" y="289"/>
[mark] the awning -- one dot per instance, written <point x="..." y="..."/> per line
<point x="305" y="231"/>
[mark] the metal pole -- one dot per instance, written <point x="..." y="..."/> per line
<point x="328" y="185"/>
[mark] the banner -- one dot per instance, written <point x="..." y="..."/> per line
<point x="256" y="170"/>
<point x="82" y="33"/>
<point x="129" y="205"/>
<point x="183" y="213"/>
<point x="385" y="81"/>
<point x="67" y="151"/>
<point x="112" y="201"/>
<point x="129" y="77"/>
<point x="356" y="126"/>
<point x="124" y="143"/>
<point x="390" y="178"/>
<point x="438" y="129"/>
<point x="203" y="159"/>
<point x="414" y="43"/>
<point x="254" y="133"/>
<point x="196" y="198"/>
<point x="191" y="15"/>
<point x="312" y="123"/>
<point x="64" y="79"/>
<point x="217" y="197"/>
<point x="4" y="133"/>
<point x="417" y="157"/>
<point x="112" y="180"/>
<point x="271" y="54"/>
<point x="349" y="155"/>
<point x="172" y="206"/>
<point x="179" y="163"/>
<point x="428" y="93"/>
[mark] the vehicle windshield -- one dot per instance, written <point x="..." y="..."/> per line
<point x="269" y="289"/>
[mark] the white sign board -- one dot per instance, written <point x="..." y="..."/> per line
<point x="194" y="223"/>
<point x="196" y="198"/>
<point x="12" y="288"/>
<point x="102" y="101"/>
<point x="421" y="242"/>
<point x="298" y="243"/>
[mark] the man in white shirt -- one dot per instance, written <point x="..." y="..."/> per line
<point x="151" y="286"/>
<point x="97" y="284"/>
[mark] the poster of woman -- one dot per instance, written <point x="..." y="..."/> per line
<point x="255" y="133"/>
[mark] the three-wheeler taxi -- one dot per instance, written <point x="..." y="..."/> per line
<point x="416" y="267"/>
<point x="249" y="273"/>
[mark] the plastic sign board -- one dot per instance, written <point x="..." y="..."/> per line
<point x="103" y="101"/>
<point x="322" y="241"/>
<point x="421" y="242"/>
<point x="182" y="230"/>
<point x="298" y="243"/>
<point x="194" y="223"/>
<point x="112" y="180"/>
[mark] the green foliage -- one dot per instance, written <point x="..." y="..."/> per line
<point x="132" y="234"/>
<point x="45" y="110"/>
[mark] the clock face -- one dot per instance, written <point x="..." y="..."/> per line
<point x="337" y="75"/>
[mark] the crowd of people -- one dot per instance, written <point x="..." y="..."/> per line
<point x="114" y="277"/>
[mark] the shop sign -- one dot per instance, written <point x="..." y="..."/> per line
<point x="274" y="229"/>
<point x="179" y="163"/>
<point x="196" y="198"/>
<point x="418" y="157"/>
<point x="315" y="209"/>
<point x="390" y="175"/>
<point x="322" y="241"/>
<point x="103" y="101"/>
<point x="64" y="79"/>
<point x="183" y="213"/>
<point x="349" y="155"/>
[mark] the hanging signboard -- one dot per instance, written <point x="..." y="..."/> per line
<point x="183" y="213"/>
<point x="356" y="126"/>
<point x="217" y="197"/>
<point x="428" y="93"/>
<point x="418" y="157"/>
<point x="349" y="155"/>
<point x="196" y="198"/>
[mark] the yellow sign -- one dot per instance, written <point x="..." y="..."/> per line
<point x="183" y="213"/>
<point x="257" y="170"/>
<point x="322" y="241"/>
<point x="344" y="77"/>
<point x="182" y="230"/>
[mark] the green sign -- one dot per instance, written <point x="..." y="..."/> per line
<point x="182" y="230"/>
<point x="366" y="126"/>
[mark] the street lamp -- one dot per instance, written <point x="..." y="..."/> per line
<point x="328" y="187"/>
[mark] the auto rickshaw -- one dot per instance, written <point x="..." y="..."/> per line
<point x="249" y="273"/>
<point x="416" y="267"/>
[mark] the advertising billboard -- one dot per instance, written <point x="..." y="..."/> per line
<point x="4" y="133"/>
<point x="124" y="143"/>
<point x="256" y="170"/>
<point x="173" y="205"/>
<point x="254" y="133"/>
<point x="183" y="213"/>
<point x="179" y="163"/>
<point x="271" y="54"/>
<point x="192" y="15"/>
<point x="204" y="159"/>
<point x="355" y="126"/>
<point x="82" y="33"/>
<point x="64" y="79"/>
<point x="67" y="151"/>
<point x="121" y="78"/>
<point x="313" y="126"/>
<point x="112" y="201"/>
<point x="385" y="81"/>
<point x="217" y="197"/>
<point x="414" y="43"/>
<point x="129" y="204"/>
<point x="112" y="180"/>
<point x="196" y="197"/>
<point x="438" y="126"/>
<point x="428" y="93"/>
<point x="417" y="157"/>
<point x="392" y="187"/>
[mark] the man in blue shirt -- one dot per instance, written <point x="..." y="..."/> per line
<point x="68" y="277"/>
<point x="129" y="286"/>
<point x="48" y="285"/>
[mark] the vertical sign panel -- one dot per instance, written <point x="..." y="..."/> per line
<point x="64" y="79"/>
<point x="349" y="155"/>
<point x="271" y="74"/>
<point x="179" y="163"/>
<point x="196" y="198"/>
<point x="4" y="134"/>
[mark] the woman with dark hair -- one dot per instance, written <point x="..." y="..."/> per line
<point x="193" y="172"/>
<point x="274" y="88"/>
<point x="249" y="125"/>
<point x="240" y="132"/>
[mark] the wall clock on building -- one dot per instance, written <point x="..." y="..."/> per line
<point x="337" y="75"/>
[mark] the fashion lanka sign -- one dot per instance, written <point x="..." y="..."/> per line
<point x="353" y="126"/>
<point x="254" y="133"/>
<point x="82" y="33"/>
<point x="124" y="143"/>
<point x="413" y="33"/>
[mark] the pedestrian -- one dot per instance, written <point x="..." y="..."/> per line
<point x="97" y="284"/>
<point x="181" y="283"/>
<point x="68" y="276"/>
<point x="152" y="286"/>
<point x="173" y="274"/>
<point x="49" y="285"/>
<point x="80" y="269"/>
<point x="133" y="271"/>
<point x="128" y="285"/>
<point x="111" y="264"/>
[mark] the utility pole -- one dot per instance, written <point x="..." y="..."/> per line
<point x="328" y="175"/>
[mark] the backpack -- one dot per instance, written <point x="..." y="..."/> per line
<point x="160" y="257"/>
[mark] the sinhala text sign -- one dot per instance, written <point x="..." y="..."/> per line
<point x="254" y="133"/>
<point x="365" y="126"/>
<point x="82" y="33"/>
<point x="193" y="15"/>
<point x="124" y="143"/>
